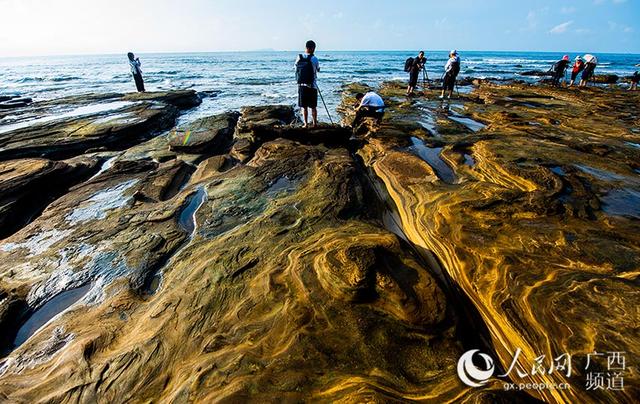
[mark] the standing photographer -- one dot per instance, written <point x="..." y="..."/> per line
<point x="136" y="70"/>
<point x="414" y="71"/>
<point x="451" y="70"/>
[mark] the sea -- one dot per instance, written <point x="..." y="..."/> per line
<point x="231" y="80"/>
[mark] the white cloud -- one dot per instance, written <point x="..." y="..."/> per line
<point x="568" y="10"/>
<point x="561" y="28"/>
<point x="614" y="26"/>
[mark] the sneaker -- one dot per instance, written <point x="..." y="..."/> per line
<point x="441" y="97"/>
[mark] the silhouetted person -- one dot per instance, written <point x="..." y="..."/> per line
<point x="307" y="68"/>
<point x="414" y="71"/>
<point x="634" y="80"/>
<point x="135" y="64"/>
<point x="559" y="69"/>
<point x="589" y="68"/>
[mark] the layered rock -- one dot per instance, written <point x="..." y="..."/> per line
<point x="75" y="125"/>
<point x="28" y="185"/>
<point x="269" y="280"/>
<point x="539" y="226"/>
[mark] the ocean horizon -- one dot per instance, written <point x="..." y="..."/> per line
<point x="235" y="79"/>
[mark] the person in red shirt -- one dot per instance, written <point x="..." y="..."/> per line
<point x="578" y="66"/>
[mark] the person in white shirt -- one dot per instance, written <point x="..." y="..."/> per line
<point x="307" y="68"/>
<point x="451" y="70"/>
<point x="589" y="67"/>
<point x="370" y="105"/>
<point x="136" y="70"/>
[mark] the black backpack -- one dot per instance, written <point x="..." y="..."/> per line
<point x="408" y="64"/>
<point x="455" y="68"/>
<point x="305" y="71"/>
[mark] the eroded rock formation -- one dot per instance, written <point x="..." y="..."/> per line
<point x="241" y="258"/>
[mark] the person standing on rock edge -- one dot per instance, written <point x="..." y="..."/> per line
<point x="416" y="67"/>
<point x="578" y="67"/>
<point x="451" y="70"/>
<point x="307" y="68"/>
<point x="136" y="70"/>
<point x="634" y="80"/>
<point x="590" y="66"/>
<point x="559" y="70"/>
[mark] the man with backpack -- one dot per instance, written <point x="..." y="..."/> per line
<point x="414" y="67"/>
<point x="307" y="68"/>
<point x="451" y="70"/>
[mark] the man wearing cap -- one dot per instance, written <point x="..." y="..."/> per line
<point x="451" y="70"/>
<point x="589" y="67"/>
<point x="559" y="70"/>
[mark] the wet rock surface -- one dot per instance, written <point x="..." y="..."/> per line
<point x="540" y="228"/>
<point x="254" y="260"/>
<point x="75" y="125"/>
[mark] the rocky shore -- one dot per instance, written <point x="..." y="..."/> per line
<point x="240" y="257"/>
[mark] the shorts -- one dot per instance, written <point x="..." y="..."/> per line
<point x="413" y="78"/>
<point x="449" y="82"/>
<point x="588" y="71"/>
<point x="307" y="97"/>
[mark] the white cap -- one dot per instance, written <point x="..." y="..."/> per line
<point x="453" y="52"/>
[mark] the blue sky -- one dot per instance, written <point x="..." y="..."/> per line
<point x="45" y="27"/>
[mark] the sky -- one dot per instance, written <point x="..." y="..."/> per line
<point x="73" y="27"/>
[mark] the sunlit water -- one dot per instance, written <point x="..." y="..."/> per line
<point x="258" y="78"/>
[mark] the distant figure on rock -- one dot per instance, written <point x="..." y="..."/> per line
<point x="590" y="66"/>
<point x="451" y="70"/>
<point x="634" y="79"/>
<point x="578" y="66"/>
<point x="559" y="70"/>
<point x="136" y="70"/>
<point x="307" y="68"/>
<point x="414" y="66"/>
<point x="369" y="105"/>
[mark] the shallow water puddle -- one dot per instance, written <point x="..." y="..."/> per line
<point x="105" y="166"/>
<point x="557" y="170"/>
<point x="636" y="145"/>
<point x="51" y="309"/>
<point x="432" y="156"/>
<point x="187" y="218"/>
<point x="600" y="174"/>
<point x="96" y="206"/>
<point x="428" y="122"/>
<point x="75" y="113"/>
<point x="282" y="184"/>
<point x="469" y="160"/>
<point x="475" y="126"/>
<point x="622" y="202"/>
